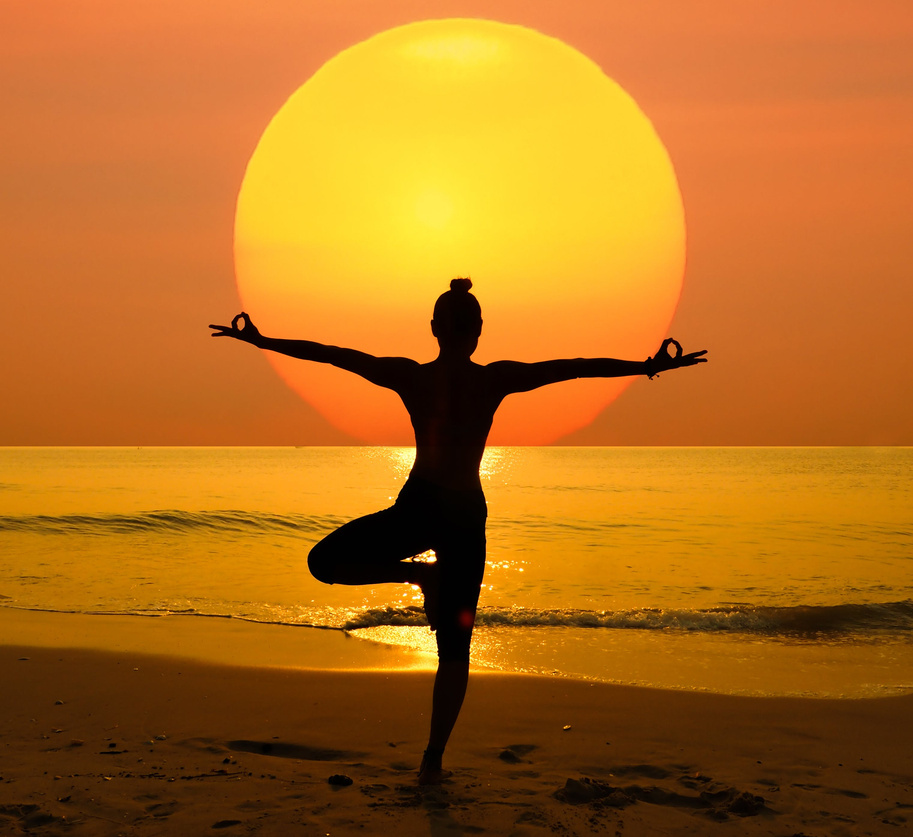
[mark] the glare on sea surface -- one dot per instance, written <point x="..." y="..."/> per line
<point x="496" y="461"/>
<point x="415" y="638"/>
<point x="401" y="460"/>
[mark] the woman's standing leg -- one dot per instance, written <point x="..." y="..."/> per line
<point x="461" y="565"/>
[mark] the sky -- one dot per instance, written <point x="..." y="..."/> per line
<point x="127" y="128"/>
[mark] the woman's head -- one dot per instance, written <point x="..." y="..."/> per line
<point x="457" y="317"/>
<point x="458" y="310"/>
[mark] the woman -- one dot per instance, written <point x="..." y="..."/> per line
<point x="451" y="402"/>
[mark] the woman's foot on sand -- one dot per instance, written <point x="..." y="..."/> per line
<point x="431" y="772"/>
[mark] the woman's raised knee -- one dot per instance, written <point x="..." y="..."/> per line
<point x="320" y="563"/>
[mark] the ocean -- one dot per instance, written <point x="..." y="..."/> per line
<point x="767" y="571"/>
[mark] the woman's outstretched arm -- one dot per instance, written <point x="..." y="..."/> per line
<point x="523" y="377"/>
<point x="388" y="372"/>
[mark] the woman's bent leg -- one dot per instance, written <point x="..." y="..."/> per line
<point x="370" y="550"/>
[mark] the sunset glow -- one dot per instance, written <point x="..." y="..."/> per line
<point x="453" y="148"/>
<point x="237" y="588"/>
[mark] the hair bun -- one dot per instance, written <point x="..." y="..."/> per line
<point x="461" y="284"/>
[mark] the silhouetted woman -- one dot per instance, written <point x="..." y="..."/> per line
<point x="451" y="402"/>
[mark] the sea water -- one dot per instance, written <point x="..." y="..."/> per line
<point x="741" y="570"/>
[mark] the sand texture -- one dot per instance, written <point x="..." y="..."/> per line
<point x="125" y="743"/>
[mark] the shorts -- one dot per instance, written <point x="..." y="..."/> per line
<point x="425" y="516"/>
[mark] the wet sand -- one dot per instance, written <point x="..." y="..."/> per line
<point x="98" y="737"/>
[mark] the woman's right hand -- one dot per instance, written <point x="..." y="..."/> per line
<point x="664" y="359"/>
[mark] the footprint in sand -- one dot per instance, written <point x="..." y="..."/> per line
<point x="717" y="804"/>
<point x="514" y="754"/>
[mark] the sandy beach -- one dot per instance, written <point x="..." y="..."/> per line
<point x="112" y="740"/>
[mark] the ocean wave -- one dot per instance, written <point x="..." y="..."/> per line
<point x="804" y="620"/>
<point x="179" y="521"/>
<point x="170" y="522"/>
<point x="892" y="620"/>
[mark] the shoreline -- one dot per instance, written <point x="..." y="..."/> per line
<point x="110" y="741"/>
<point x="207" y="639"/>
<point x="706" y="664"/>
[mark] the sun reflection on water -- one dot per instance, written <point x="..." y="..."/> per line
<point x="416" y="638"/>
<point x="401" y="459"/>
<point x="496" y="463"/>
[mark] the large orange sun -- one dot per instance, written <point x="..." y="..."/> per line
<point x="460" y="148"/>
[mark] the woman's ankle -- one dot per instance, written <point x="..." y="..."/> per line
<point x="431" y="771"/>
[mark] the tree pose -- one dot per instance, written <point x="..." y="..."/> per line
<point x="451" y="401"/>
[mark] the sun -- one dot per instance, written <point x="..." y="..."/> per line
<point x="460" y="148"/>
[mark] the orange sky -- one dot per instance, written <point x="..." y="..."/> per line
<point x="127" y="127"/>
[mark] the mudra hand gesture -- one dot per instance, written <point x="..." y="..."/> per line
<point x="664" y="359"/>
<point x="241" y="328"/>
